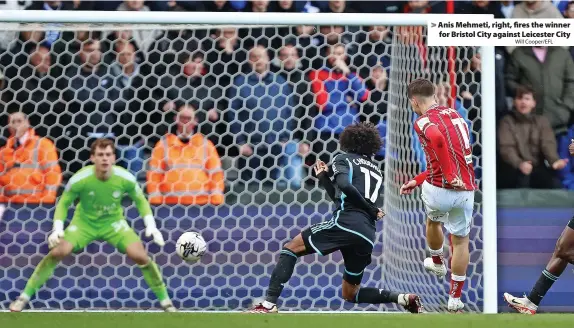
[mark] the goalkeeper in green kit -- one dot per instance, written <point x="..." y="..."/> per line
<point x="99" y="216"/>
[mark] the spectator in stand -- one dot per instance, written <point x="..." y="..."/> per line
<point x="110" y="41"/>
<point x="29" y="170"/>
<point x="46" y="37"/>
<point x="569" y="13"/>
<point x="263" y="36"/>
<point x="332" y="35"/>
<point x="287" y="65"/>
<point x="526" y="142"/>
<point x="238" y="5"/>
<point x="130" y="107"/>
<point x="307" y="42"/>
<point x="550" y="71"/>
<point x="185" y="167"/>
<point x="424" y="7"/>
<point x="284" y="6"/>
<point x="162" y="53"/>
<point x="188" y="83"/>
<point x="32" y="88"/>
<point x="534" y="9"/>
<point x="339" y="7"/>
<point x="507" y="8"/>
<point x="7" y="37"/>
<point x="261" y="117"/>
<point x="178" y="5"/>
<point x="569" y="10"/>
<point x="143" y="38"/>
<point x="337" y="91"/>
<point x="225" y="56"/>
<point x="480" y="7"/>
<point x="376" y="106"/>
<point x="374" y="51"/>
<point x="219" y="6"/>
<point x="335" y="34"/>
<point x="88" y="90"/>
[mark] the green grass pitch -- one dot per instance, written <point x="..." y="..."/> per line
<point x="238" y="320"/>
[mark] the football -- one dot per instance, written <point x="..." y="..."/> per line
<point x="191" y="246"/>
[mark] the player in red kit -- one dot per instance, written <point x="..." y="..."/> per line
<point x="447" y="184"/>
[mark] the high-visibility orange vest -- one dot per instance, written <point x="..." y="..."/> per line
<point x="29" y="173"/>
<point x="185" y="173"/>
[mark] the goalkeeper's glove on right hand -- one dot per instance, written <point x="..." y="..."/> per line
<point x="152" y="231"/>
<point x="57" y="234"/>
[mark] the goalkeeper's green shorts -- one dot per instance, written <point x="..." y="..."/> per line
<point x="80" y="233"/>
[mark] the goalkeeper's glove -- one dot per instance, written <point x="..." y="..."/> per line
<point x="151" y="230"/>
<point x="57" y="234"/>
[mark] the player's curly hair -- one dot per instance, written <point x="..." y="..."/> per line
<point x="361" y="138"/>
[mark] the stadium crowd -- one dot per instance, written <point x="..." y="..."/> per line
<point x="192" y="110"/>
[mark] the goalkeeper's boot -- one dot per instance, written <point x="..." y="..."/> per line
<point x="19" y="304"/>
<point x="264" y="308"/>
<point x="413" y="303"/>
<point x="167" y="306"/>
<point x="455" y="305"/>
<point x="522" y="305"/>
<point x="436" y="269"/>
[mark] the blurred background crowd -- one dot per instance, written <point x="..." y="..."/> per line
<point x="193" y="111"/>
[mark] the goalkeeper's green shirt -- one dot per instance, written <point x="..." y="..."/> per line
<point x="101" y="200"/>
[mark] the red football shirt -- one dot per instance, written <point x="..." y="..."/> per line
<point x="456" y="134"/>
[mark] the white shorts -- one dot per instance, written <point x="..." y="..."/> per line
<point x="452" y="208"/>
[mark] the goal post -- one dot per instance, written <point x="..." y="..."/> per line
<point x="261" y="237"/>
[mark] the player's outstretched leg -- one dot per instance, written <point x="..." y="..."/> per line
<point x="41" y="274"/>
<point x="281" y="274"/>
<point x="357" y="257"/>
<point x="151" y="273"/>
<point x="435" y="240"/>
<point x="563" y="254"/>
<point x="355" y="294"/>
<point x="459" y="265"/>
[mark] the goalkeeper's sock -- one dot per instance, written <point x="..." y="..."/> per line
<point x="281" y="274"/>
<point x="456" y="284"/>
<point x="154" y="280"/>
<point x="542" y="286"/>
<point x="377" y="296"/>
<point x="437" y="255"/>
<point x="41" y="274"/>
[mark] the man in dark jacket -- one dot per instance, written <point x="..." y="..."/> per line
<point x="551" y="71"/>
<point x="526" y="144"/>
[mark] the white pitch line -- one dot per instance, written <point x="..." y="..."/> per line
<point x="204" y="311"/>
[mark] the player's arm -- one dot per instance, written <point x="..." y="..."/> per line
<point x="322" y="173"/>
<point x="136" y="194"/>
<point x="438" y="144"/>
<point x="341" y="171"/>
<point x="70" y="194"/>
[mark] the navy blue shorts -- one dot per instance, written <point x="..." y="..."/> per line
<point x="327" y="237"/>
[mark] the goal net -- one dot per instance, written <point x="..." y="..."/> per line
<point x="79" y="82"/>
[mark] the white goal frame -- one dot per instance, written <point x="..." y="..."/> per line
<point x="489" y="206"/>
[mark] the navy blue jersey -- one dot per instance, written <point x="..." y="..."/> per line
<point x="364" y="175"/>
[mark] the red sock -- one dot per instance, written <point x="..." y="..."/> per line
<point x="437" y="255"/>
<point x="436" y="259"/>
<point x="456" y="284"/>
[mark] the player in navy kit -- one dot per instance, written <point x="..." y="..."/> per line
<point x="355" y="190"/>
